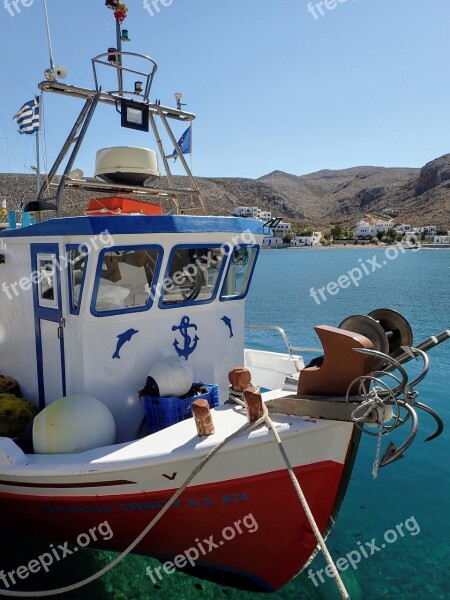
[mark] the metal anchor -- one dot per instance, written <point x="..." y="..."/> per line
<point x="391" y="456"/>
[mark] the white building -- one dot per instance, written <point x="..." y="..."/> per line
<point x="364" y="229"/>
<point x="265" y="216"/>
<point x="307" y="240"/>
<point x="429" y="230"/>
<point x="383" y="226"/>
<point x="442" y="239"/>
<point x="403" y="228"/>
<point x="391" y="212"/>
<point x="272" y="241"/>
<point x="252" y="212"/>
<point x="273" y="236"/>
<point x="282" y="229"/>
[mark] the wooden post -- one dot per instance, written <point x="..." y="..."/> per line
<point x="202" y="416"/>
<point x="240" y="378"/>
<point x="253" y="404"/>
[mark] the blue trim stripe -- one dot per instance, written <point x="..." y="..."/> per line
<point x="46" y="314"/>
<point x="136" y="225"/>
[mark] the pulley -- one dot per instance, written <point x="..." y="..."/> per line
<point x="397" y="329"/>
<point x="369" y="328"/>
<point x="387" y="329"/>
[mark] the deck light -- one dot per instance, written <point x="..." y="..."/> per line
<point x="112" y="55"/>
<point x="135" y="115"/>
<point x="179" y="98"/>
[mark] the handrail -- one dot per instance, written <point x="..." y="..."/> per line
<point x="285" y="338"/>
<point x="118" y="65"/>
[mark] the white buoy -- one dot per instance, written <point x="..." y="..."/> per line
<point x="73" y="424"/>
<point x="173" y="376"/>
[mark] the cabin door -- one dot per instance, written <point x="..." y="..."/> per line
<point x="49" y="322"/>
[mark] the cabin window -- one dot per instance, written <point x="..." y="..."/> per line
<point x="46" y="268"/>
<point x="77" y="258"/>
<point x="126" y="279"/>
<point x="240" y="271"/>
<point x="193" y="274"/>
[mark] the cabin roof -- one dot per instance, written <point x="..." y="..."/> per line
<point x="135" y="225"/>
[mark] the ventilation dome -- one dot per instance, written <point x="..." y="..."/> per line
<point x="125" y="165"/>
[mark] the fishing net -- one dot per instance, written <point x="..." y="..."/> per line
<point x="15" y="415"/>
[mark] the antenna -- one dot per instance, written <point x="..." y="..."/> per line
<point x="120" y="14"/>
<point x="52" y="64"/>
<point x="52" y="73"/>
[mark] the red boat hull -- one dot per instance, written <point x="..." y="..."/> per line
<point x="249" y="533"/>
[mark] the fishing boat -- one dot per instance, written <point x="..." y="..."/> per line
<point x="109" y="321"/>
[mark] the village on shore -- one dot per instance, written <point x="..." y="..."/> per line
<point x="382" y="229"/>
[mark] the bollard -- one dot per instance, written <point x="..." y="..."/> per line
<point x="202" y="416"/>
<point x="253" y="404"/>
<point x="240" y="378"/>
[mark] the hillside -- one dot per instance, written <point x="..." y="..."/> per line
<point x="422" y="196"/>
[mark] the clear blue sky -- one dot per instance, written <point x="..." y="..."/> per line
<point x="366" y="83"/>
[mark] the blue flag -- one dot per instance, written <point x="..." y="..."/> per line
<point x="28" y="117"/>
<point x="185" y="142"/>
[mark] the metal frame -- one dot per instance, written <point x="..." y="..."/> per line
<point x="185" y="199"/>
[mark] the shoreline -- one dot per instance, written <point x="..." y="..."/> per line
<point x="358" y="247"/>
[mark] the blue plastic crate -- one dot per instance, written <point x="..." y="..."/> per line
<point x="163" y="412"/>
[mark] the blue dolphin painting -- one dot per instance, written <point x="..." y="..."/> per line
<point x="123" y="338"/>
<point x="227" y="322"/>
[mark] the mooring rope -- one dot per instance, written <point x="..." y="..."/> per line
<point x="304" y="502"/>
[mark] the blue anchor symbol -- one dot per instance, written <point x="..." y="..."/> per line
<point x="189" y="344"/>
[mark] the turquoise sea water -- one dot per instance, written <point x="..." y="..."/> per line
<point x="414" y="491"/>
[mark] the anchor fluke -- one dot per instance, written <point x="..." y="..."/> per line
<point x="390" y="455"/>
<point x="395" y="454"/>
<point x="436" y="417"/>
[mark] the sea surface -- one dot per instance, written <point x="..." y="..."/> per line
<point x="413" y="492"/>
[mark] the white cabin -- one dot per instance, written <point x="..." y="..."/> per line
<point x="89" y="304"/>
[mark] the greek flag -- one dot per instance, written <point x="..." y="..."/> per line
<point x="185" y="142"/>
<point x="28" y="117"/>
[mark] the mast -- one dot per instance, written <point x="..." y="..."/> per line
<point x="137" y="112"/>
<point x="120" y="10"/>
<point x="38" y="160"/>
<point x="119" y="56"/>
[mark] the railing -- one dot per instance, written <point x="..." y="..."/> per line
<point x="114" y="60"/>
<point x="282" y="333"/>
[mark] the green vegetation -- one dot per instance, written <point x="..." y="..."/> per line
<point x="338" y="232"/>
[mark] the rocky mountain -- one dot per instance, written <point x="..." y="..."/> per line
<point x="318" y="200"/>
